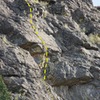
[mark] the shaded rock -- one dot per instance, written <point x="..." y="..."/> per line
<point x="57" y="9"/>
<point x="63" y="74"/>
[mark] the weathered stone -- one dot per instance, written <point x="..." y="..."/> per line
<point x="73" y="71"/>
<point x="63" y="74"/>
<point x="57" y="9"/>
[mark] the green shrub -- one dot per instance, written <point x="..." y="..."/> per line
<point x="94" y="38"/>
<point x="4" y="94"/>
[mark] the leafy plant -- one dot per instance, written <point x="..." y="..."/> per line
<point x="4" y="94"/>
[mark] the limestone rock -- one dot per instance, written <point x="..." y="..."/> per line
<point x="73" y="71"/>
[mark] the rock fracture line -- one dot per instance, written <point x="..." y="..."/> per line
<point x="44" y="63"/>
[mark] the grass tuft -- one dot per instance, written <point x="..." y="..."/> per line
<point x="4" y="94"/>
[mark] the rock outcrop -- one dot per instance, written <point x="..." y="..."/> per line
<point x="71" y="31"/>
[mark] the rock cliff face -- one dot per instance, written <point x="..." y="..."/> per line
<point x="71" y="31"/>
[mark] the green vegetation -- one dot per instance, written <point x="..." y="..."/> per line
<point x="94" y="38"/>
<point x="4" y="94"/>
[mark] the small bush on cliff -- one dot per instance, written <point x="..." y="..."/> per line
<point x="4" y="94"/>
<point x="94" y="38"/>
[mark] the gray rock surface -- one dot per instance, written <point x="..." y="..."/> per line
<point x="73" y="71"/>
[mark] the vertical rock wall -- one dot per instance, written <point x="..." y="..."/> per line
<point x="71" y="31"/>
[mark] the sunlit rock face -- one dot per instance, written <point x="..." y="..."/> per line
<point x="70" y="30"/>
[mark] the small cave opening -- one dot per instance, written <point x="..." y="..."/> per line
<point x="90" y="31"/>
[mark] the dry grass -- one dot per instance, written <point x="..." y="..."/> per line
<point x="94" y="38"/>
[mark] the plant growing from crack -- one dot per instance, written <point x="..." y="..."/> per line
<point x="94" y="38"/>
<point x="4" y="94"/>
